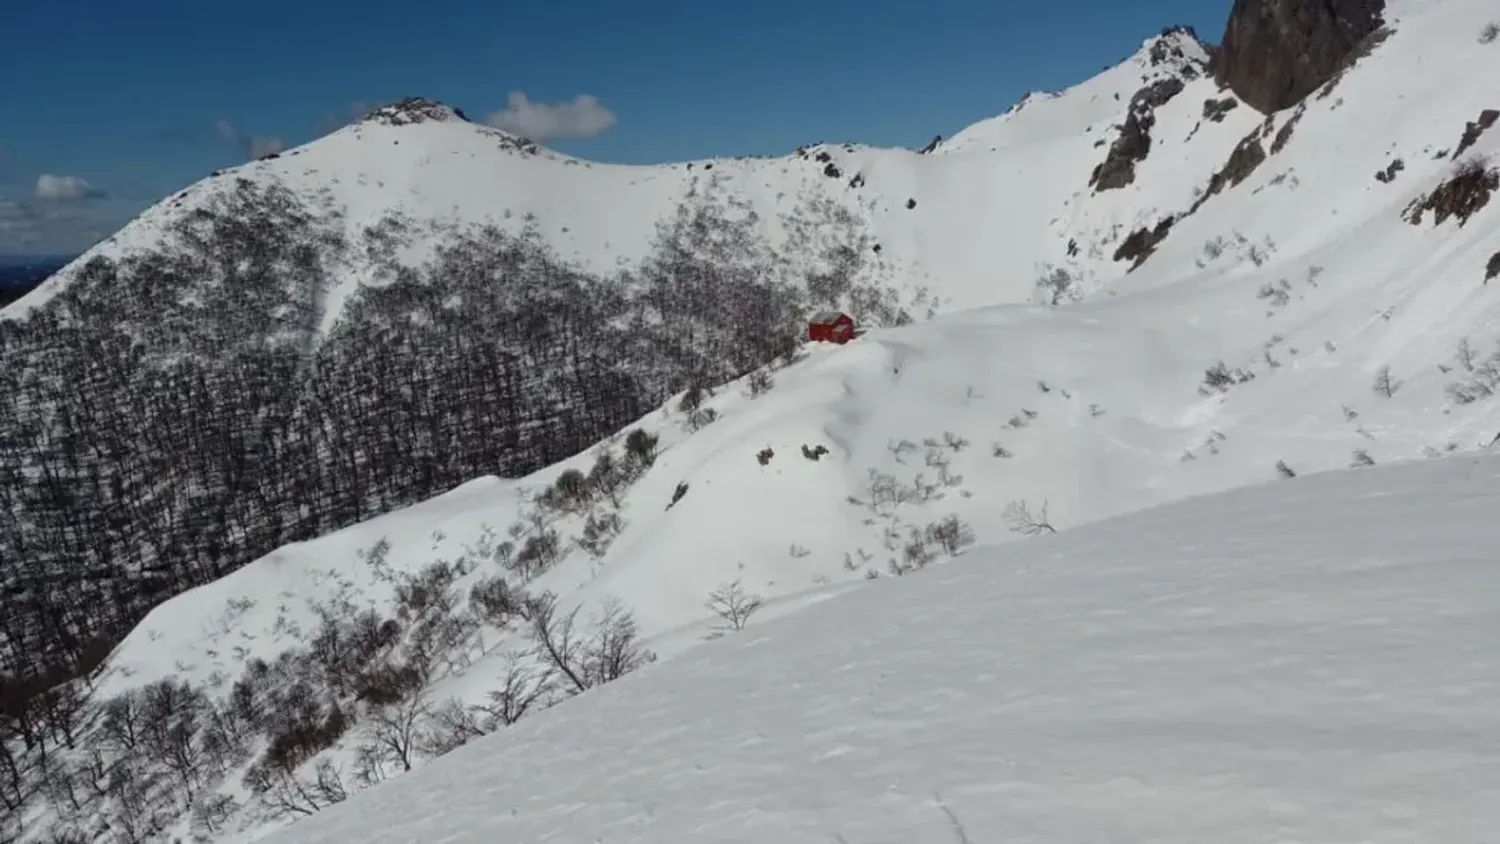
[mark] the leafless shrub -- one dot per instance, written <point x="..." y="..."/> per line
<point x="759" y="383"/>
<point x="211" y="813"/>
<point x="523" y="687"/>
<point x="1489" y="32"/>
<point x="494" y="601"/>
<point x="610" y="650"/>
<point x="951" y="534"/>
<point x="1020" y="519"/>
<point x="1384" y="385"/>
<point x="1482" y="377"/>
<point x="1284" y="470"/>
<point x="450" y="725"/>
<point x="733" y="605"/>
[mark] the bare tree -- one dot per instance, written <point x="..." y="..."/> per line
<point x="522" y="688"/>
<point x="1021" y="520"/>
<point x="452" y="724"/>
<point x="733" y="605"/>
<point x="396" y="730"/>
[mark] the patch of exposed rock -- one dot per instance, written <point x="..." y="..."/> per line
<point x="1118" y="167"/>
<point x="1474" y="128"/>
<point x="1461" y="197"/>
<point x="1247" y="156"/>
<point x="1142" y="242"/>
<point x="1388" y="175"/>
<point x="931" y="145"/>
<point x="413" y="110"/>
<point x="1276" y="52"/>
<point x="1492" y="269"/>
<point x="1214" y="111"/>
<point x="1284" y="135"/>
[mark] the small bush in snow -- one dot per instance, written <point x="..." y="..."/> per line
<point x="1361" y="458"/>
<point x="1219" y="378"/>
<point x="814" y="453"/>
<point x="1482" y="377"/>
<point x="1284" y="470"/>
<point x="759" y="383"/>
<point x="640" y="446"/>
<point x="733" y="605"/>
<point x="1019" y="517"/>
<point x="951" y="534"/>
<point x="701" y="418"/>
<point x="1489" y="32"/>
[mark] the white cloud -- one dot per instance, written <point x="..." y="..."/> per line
<point x="53" y="187"/>
<point x="583" y="117"/>
<point x="254" y="146"/>
<point x="265" y="146"/>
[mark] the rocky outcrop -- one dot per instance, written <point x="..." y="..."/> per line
<point x="1214" y="111"/>
<point x="1142" y="242"/>
<point x="413" y="110"/>
<point x="1248" y="155"/>
<point x="1167" y="49"/>
<point x="1276" y="52"/>
<point x="1462" y="196"/>
<point x="1388" y="175"/>
<point x="1474" y="128"/>
<point x="1118" y="168"/>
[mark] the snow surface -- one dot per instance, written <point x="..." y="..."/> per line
<point x="1304" y="276"/>
<point x="1309" y="660"/>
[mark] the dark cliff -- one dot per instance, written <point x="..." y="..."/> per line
<point x="1276" y="52"/>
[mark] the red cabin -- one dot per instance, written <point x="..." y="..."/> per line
<point x="831" y="327"/>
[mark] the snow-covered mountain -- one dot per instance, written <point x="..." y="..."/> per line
<point x="1132" y="292"/>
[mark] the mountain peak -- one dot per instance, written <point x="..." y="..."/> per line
<point x="1176" y="48"/>
<point x="414" y="110"/>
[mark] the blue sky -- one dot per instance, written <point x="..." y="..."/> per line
<point x="122" y="103"/>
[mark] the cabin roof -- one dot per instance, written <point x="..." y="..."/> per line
<point x="826" y="317"/>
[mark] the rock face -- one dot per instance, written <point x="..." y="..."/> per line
<point x="1134" y="144"/>
<point x="1276" y="52"/>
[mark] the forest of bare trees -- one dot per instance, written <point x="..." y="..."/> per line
<point x="177" y="413"/>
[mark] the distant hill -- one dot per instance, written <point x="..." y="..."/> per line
<point x="20" y="274"/>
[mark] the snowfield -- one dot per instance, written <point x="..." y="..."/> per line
<point x="1202" y="550"/>
<point x="1308" y="660"/>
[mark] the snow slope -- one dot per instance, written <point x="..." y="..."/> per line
<point x="1304" y="661"/>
